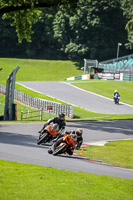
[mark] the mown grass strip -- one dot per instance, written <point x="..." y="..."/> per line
<point x="79" y="113"/>
<point x="38" y="70"/>
<point x="24" y="181"/>
<point x="107" y="88"/>
<point x="118" y="153"/>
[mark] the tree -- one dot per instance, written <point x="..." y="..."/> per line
<point x="44" y="45"/>
<point x="92" y="31"/>
<point x="25" y="13"/>
<point x="127" y="6"/>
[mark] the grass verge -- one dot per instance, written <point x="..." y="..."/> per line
<point x="118" y="153"/>
<point x="38" y="70"/>
<point x="79" y="113"/>
<point x="24" y="181"/>
<point x="107" y="88"/>
<point x="21" y="107"/>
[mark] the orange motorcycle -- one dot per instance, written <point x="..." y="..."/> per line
<point x="68" y="142"/>
<point x="51" y="131"/>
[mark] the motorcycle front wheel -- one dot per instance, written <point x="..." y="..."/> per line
<point x="59" y="150"/>
<point x="43" y="138"/>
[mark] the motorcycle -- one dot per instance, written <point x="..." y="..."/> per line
<point x="116" y="99"/>
<point x="50" y="132"/>
<point x="68" y="143"/>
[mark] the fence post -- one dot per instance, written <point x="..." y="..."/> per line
<point x="21" y="115"/>
<point x="41" y="111"/>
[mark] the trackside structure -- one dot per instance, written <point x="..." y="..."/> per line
<point x="9" y="110"/>
<point x="120" y="68"/>
<point x="41" y="104"/>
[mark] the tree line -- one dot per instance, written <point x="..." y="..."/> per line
<point x="65" y="29"/>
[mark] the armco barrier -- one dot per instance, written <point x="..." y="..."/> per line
<point x="34" y="102"/>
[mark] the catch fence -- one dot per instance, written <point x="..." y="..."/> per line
<point x="41" y="104"/>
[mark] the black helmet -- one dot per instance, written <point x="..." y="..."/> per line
<point x="79" y="132"/>
<point x="62" y="115"/>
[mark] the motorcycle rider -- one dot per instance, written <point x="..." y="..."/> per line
<point x="76" y="136"/>
<point x="78" y="132"/>
<point x="60" y="120"/>
<point x="115" y="94"/>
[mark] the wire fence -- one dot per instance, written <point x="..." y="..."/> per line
<point x="41" y="104"/>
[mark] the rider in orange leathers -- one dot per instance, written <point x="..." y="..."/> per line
<point x="74" y="139"/>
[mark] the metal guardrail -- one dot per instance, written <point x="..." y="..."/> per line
<point x="117" y="59"/>
<point x="37" y="103"/>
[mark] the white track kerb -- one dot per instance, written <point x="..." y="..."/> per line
<point x="44" y="94"/>
<point x="78" y="97"/>
<point x="48" y="95"/>
<point x="96" y="94"/>
<point x="102" y="142"/>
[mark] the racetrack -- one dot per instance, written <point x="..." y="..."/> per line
<point x="76" y="96"/>
<point x="18" y="143"/>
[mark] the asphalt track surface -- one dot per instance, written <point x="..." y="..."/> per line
<point x="18" y="143"/>
<point x="78" y="97"/>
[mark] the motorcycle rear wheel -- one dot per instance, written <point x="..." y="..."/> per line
<point x="59" y="150"/>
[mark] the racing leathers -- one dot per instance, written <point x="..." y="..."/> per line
<point x="55" y="120"/>
<point x="116" y="94"/>
<point x="69" y="135"/>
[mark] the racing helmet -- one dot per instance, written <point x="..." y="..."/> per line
<point x="62" y="116"/>
<point x="115" y="90"/>
<point x="79" y="132"/>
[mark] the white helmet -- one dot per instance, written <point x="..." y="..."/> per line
<point x="115" y="90"/>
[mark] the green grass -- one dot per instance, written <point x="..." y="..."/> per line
<point x="36" y="94"/>
<point x="28" y="182"/>
<point x="21" y="107"/>
<point x="118" y="153"/>
<point x="45" y="70"/>
<point x="79" y="113"/>
<point x="107" y="88"/>
<point x="38" y="70"/>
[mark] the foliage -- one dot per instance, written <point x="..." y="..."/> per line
<point x="66" y="29"/>
<point x="26" y="13"/>
<point x="23" y="20"/>
<point x="74" y="50"/>
<point x="127" y="6"/>
<point x="93" y="31"/>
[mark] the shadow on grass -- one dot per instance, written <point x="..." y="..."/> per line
<point x="78" y="64"/>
